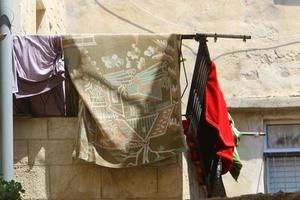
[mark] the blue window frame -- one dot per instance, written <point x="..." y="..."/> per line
<point x="282" y="157"/>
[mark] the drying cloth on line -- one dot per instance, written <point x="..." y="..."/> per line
<point x="50" y="103"/>
<point x="216" y="116"/>
<point x="37" y="64"/>
<point x="236" y="164"/>
<point x="130" y="110"/>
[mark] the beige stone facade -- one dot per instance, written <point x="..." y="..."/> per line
<point x="43" y="147"/>
<point x="44" y="165"/>
<point x="256" y="76"/>
<point x="246" y="70"/>
<point x="38" y="17"/>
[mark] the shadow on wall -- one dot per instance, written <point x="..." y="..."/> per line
<point x="287" y="2"/>
<point x="37" y="153"/>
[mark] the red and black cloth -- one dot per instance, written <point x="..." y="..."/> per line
<point x="216" y="116"/>
<point x="215" y="137"/>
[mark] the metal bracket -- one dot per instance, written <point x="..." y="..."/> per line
<point x="198" y="36"/>
<point x="2" y="35"/>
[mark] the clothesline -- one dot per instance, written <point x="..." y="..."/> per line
<point x="197" y="36"/>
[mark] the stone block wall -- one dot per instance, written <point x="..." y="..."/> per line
<point x="44" y="165"/>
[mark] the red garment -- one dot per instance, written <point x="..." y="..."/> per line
<point x="216" y="115"/>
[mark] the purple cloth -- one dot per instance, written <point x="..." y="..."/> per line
<point x="37" y="64"/>
<point x="38" y="72"/>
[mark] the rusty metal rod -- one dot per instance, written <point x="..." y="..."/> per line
<point x="198" y="36"/>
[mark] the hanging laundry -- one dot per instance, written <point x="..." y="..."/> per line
<point x="130" y="110"/>
<point x="38" y="69"/>
<point x="216" y="120"/>
<point x="237" y="164"/>
<point x="195" y="155"/>
<point x="50" y="103"/>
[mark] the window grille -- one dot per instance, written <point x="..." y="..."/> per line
<point x="282" y="156"/>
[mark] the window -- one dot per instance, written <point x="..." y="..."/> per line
<point x="282" y="157"/>
<point x="287" y="2"/>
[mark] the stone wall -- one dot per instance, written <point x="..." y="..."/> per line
<point x="38" y="17"/>
<point x="266" y="67"/>
<point x="44" y="165"/>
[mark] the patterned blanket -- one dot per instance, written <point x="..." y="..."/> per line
<point x="130" y="109"/>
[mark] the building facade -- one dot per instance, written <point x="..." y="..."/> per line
<point x="260" y="81"/>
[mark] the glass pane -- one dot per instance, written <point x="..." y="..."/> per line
<point x="283" y="174"/>
<point x="283" y="136"/>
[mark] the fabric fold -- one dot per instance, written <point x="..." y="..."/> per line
<point x="37" y="64"/>
<point x="236" y="164"/>
<point x="216" y="116"/>
<point x="130" y="110"/>
<point x="38" y="75"/>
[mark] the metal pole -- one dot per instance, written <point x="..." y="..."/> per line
<point x="215" y="35"/>
<point x="6" y="106"/>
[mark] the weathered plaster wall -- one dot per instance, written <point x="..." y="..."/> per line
<point x="266" y="66"/>
<point x="37" y="16"/>
<point x="251" y="179"/>
<point x="49" y="19"/>
<point x="23" y="17"/>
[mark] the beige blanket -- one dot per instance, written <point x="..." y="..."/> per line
<point x="130" y="110"/>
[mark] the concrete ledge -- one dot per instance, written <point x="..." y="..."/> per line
<point x="264" y="103"/>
